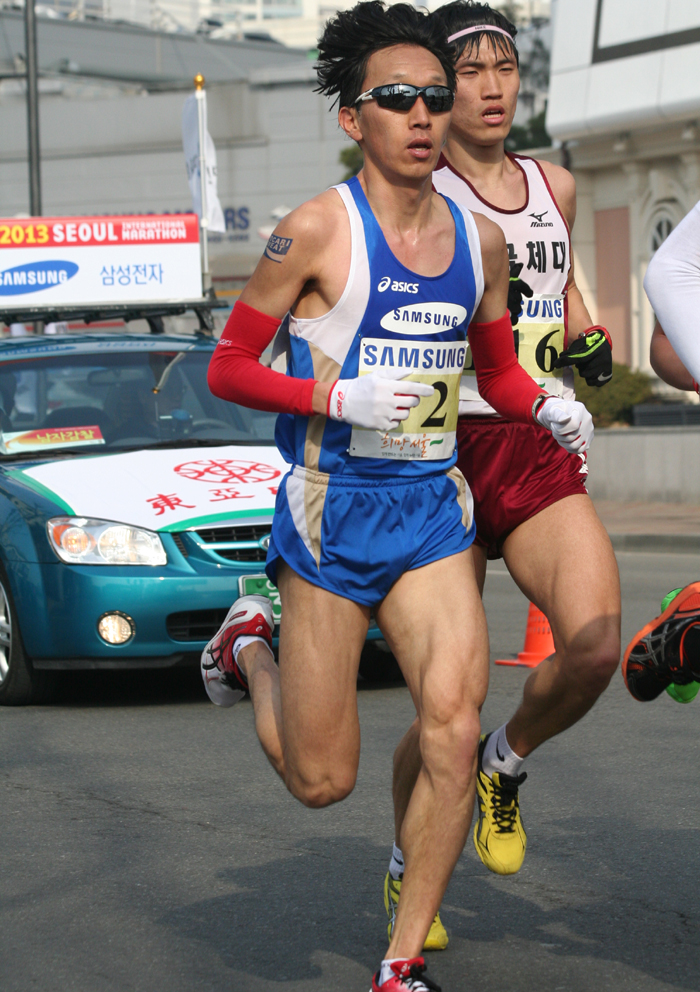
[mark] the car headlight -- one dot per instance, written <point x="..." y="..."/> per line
<point x="80" y="541"/>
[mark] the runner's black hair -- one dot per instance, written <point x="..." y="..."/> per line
<point x="460" y="14"/>
<point x="353" y="35"/>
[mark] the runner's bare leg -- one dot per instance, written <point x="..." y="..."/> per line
<point x="563" y="561"/>
<point x="306" y="711"/>
<point x="434" y="623"/>
<point x="407" y="757"/>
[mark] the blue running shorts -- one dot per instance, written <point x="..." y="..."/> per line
<point x="357" y="536"/>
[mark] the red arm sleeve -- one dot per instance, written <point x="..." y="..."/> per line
<point x="235" y="372"/>
<point x="501" y="381"/>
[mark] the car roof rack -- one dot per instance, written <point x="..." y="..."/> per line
<point x="153" y="313"/>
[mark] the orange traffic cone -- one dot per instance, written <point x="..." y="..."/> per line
<point x="539" y="643"/>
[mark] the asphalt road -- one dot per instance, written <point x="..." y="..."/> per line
<point x="145" y="845"/>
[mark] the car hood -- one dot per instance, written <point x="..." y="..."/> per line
<point x="163" y="490"/>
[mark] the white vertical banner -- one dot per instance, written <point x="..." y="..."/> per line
<point x="190" y="143"/>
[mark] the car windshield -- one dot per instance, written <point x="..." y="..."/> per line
<point x="119" y="399"/>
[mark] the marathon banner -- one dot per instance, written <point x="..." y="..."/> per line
<point x="77" y="261"/>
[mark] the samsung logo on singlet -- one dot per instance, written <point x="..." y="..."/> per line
<point x="424" y="318"/>
<point x="397" y="287"/>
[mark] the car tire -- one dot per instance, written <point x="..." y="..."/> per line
<point x="378" y="664"/>
<point x="20" y="683"/>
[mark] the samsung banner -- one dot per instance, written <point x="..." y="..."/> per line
<point x="69" y="261"/>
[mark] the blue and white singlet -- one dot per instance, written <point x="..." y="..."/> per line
<point x="360" y="507"/>
<point x="393" y="321"/>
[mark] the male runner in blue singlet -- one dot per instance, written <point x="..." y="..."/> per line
<point x="379" y="280"/>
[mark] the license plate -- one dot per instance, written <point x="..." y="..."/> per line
<point x="260" y="585"/>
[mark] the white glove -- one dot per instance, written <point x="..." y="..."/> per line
<point x="570" y="423"/>
<point x="375" y="402"/>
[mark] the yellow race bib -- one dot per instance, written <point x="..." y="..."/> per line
<point x="429" y="432"/>
<point x="539" y="340"/>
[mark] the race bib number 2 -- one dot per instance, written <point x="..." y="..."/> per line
<point x="539" y="339"/>
<point x="429" y="432"/>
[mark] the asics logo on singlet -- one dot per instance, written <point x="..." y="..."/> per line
<point x="397" y="287"/>
<point x="424" y="318"/>
<point x="538" y="222"/>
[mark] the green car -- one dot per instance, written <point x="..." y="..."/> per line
<point x="134" y="506"/>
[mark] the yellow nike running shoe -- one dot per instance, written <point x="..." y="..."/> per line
<point x="437" y="939"/>
<point x="499" y="834"/>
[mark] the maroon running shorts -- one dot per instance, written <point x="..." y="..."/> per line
<point x="514" y="471"/>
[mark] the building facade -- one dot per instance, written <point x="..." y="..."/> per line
<point x="624" y="105"/>
<point x="296" y="23"/>
<point x="111" y="138"/>
<point x="111" y="97"/>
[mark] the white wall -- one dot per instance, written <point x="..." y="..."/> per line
<point x="656" y="464"/>
<point x="633" y="90"/>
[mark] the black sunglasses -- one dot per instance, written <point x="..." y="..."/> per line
<point x="402" y="96"/>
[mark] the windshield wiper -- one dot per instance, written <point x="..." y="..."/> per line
<point x="168" y="369"/>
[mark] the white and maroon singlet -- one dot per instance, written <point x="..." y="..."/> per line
<point x="537" y="236"/>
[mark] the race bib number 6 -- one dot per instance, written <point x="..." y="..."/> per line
<point x="539" y="339"/>
<point x="429" y="432"/>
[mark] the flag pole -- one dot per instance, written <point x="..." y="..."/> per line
<point x="33" y="153"/>
<point x="204" y="219"/>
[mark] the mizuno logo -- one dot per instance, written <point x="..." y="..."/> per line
<point x="538" y="222"/>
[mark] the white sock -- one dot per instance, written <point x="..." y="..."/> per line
<point x="499" y="756"/>
<point x="243" y="641"/>
<point x="385" y="972"/>
<point x="396" y="864"/>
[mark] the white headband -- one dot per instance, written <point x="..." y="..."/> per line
<point x="479" y="27"/>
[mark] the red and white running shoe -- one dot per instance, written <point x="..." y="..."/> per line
<point x="408" y="976"/>
<point x="223" y="679"/>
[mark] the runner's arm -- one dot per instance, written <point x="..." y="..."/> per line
<point x="501" y="380"/>
<point x="563" y="187"/>
<point x="666" y="363"/>
<point x="672" y="284"/>
<point x="588" y="345"/>
<point x="281" y="276"/>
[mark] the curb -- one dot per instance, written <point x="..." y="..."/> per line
<point x="679" y="544"/>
